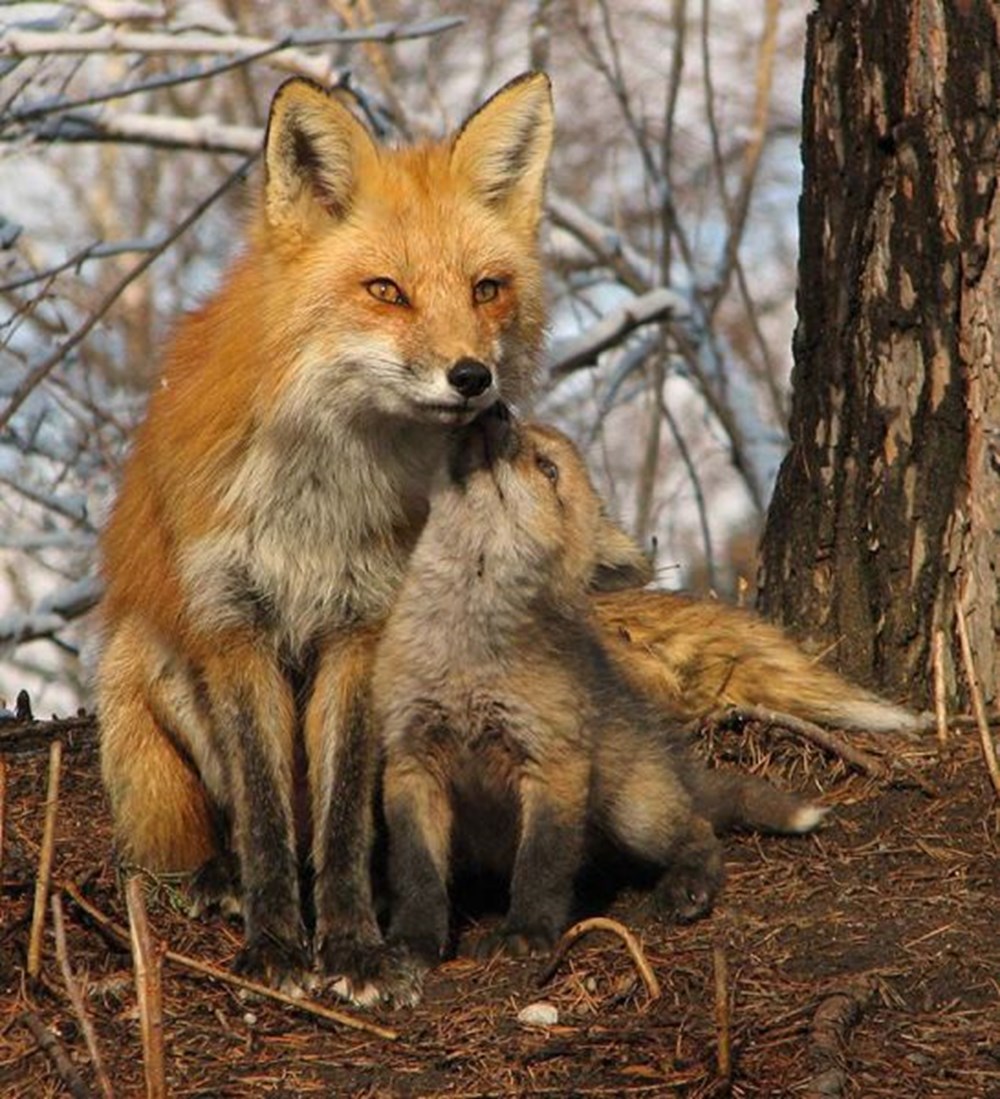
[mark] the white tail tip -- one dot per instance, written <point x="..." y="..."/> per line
<point x="876" y="716"/>
<point x="807" y="818"/>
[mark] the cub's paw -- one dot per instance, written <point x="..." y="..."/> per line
<point x="517" y="941"/>
<point x="215" y="887"/>
<point x="688" y="889"/>
<point x="278" y="961"/>
<point x="370" y="973"/>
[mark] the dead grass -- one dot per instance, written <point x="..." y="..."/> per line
<point x="866" y="957"/>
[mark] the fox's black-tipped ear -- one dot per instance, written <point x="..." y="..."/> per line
<point x="620" y="561"/>
<point x="315" y="151"/>
<point x="503" y="149"/>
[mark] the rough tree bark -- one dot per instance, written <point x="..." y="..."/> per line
<point x="888" y="503"/>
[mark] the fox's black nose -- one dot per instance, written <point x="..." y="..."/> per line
<point x="470" y="377"/>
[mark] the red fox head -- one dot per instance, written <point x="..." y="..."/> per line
<point x="518" y="502"/>
<point x="413" y="278"/>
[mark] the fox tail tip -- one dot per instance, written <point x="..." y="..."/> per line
<point x="807" y="818"/>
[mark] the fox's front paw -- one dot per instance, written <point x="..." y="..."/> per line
<point x="688" y="889"/>
<point x="517" y="941"/>
<point x="369" y="973"/>
<point x="279" y="961"/>
<point x="215" y="887"/>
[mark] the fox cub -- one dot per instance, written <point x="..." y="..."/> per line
<point x="496" y="699"/>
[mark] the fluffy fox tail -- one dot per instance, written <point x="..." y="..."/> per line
<point x="733" y="800"/>
<point x="695" y="656"/>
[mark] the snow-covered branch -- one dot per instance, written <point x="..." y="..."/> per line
<point x="583" y="350"/>
<point x="287" y="53"/>
<point x="52" y="614"/>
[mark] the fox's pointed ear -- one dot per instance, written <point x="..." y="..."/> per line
<point x="315" y="152"/>
<point x="620" y="561"/>
<point x="503" y="149"/>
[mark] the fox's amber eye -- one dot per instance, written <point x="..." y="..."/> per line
<point x="386" y="290"/>
<point x="485" y="290"/>
<point x="548" y="467"/>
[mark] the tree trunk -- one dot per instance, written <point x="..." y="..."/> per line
<point x="887" y="506"/>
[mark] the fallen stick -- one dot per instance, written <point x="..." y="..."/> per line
<point x="832" y="1022"/>
<point x="978" y="709"/>
<point x="940" y="707"/>
<point x="50" y="1045"/>
<point x="45" y="862"/>
<point x="118" y="934"/>
<point x="830" y="742"/>
<point x="602" y="923"/>
<point x="148" y="966"/>
<point x="720" y="971"/>
<point x="76" y="998"/>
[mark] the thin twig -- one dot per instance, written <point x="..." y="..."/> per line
<point x="37" y="374"/>
<point x="50" y="1045"/>
<point x="940" y="705"/>
<point x="3" y="809"/>
<point x="45" y="861"/>
<point x="823" y="737"/>
<point x="148" y="964"/>
<point x="118" y="934"/>
<point x="602" y="923"/>
<point x="720" y="970"/>
<point x="978" y="708"/>
<point x="696" y="487"/>
<point x="76" y="998"/>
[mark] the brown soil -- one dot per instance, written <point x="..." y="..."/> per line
<point x="863" y="961"/>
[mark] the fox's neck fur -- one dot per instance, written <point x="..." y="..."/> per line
<point x="476" y="586"/>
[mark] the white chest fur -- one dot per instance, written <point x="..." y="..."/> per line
<point x="316" y="531"/>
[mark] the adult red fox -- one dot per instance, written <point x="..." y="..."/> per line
<point x="278" y="483"/>
<point x="497" y="700"/>
<point x="277" y="487"/>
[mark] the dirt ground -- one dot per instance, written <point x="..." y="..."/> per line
<point x="863" y="961"/>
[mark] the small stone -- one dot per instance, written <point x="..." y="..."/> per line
<point x="538" y="1014"/>
<point x="250" y="1019"/>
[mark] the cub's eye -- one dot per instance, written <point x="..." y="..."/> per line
<point x="386" y="290"/>
<point x="486" y="290"/>
<point x="548" y="467"/>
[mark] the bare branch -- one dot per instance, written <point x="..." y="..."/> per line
<point x="39" y="372"/>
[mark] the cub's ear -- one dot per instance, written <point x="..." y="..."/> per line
<point x="315" y="152"/>
<point x="620" y="561"/>
<point x="502" y="150"/>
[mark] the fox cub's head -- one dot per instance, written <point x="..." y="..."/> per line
<point x="413" y="284"/>
<point x="519" y="501"/>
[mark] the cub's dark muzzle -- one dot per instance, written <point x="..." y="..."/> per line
<point x="491" y="437"/>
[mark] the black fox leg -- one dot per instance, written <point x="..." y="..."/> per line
<point x="254" y="713"/>
<point x="418" y="815"/>
<point x="549" y="857"/>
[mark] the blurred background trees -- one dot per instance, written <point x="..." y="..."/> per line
<point x="127" y="142"/>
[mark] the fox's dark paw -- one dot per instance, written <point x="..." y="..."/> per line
<point x="278" y="961"/>
<point x="369" y="973"/>
<point x="518" y="942"/>
<point x="215" y="887"/>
